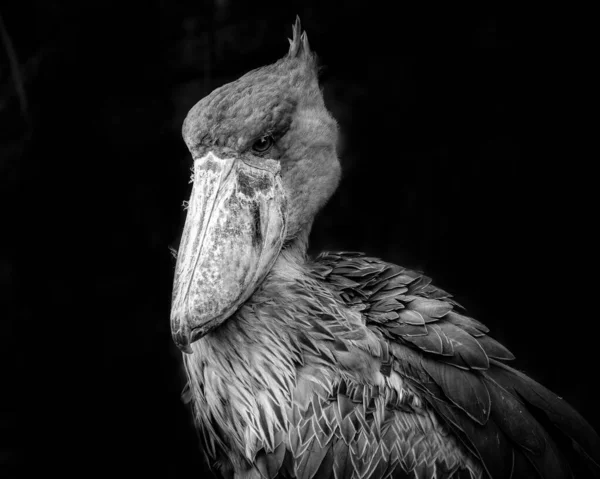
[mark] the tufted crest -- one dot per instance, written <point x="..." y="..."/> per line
<point x="300" y="55"/>
<point x="299" y="46"/>
<point x="259" y="101"/>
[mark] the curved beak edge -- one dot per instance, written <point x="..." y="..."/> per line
<point x="233" y="233"/>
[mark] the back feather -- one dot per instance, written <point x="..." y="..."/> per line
<point x="517" y="428"/>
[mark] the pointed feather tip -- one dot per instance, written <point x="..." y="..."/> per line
<point x="299" y="45"/>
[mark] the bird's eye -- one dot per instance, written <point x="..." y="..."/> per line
<point x="263" y="144"/>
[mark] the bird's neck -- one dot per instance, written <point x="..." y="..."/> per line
<point x="294" y="250"/>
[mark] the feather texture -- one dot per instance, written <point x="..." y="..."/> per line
<point x="445" y="407"/>
<point x="348" y="367"/>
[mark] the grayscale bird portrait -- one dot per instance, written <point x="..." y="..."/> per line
<point x="303" y="240"/>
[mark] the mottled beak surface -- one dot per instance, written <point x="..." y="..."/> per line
<point x="234" y="231"/>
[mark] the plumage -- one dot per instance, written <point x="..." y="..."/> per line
<point x="343" y="366"/>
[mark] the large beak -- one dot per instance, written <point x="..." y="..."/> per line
<point x="233" y="233"/>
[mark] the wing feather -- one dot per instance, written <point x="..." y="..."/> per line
<point x="512" y="424"/>
<point x="464" y="389"/>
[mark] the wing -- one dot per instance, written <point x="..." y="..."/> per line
<point x="515" y="426"/>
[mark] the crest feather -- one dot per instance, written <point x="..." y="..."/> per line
<point x="299" y="46"/>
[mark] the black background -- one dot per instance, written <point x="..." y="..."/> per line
<point x="460" y="132"/>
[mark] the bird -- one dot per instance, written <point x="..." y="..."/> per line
<point x="342" y="366"/>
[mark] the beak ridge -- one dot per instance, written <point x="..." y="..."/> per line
<point x="234" y="231"/>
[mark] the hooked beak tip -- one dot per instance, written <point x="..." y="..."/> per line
<point x="184" y="338"/>
<point x="182" y="342"/>
<point x="186" y="349"/>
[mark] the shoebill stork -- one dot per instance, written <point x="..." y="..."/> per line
<point x="343" y="366"/>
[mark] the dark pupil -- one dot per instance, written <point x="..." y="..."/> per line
<point x="262" y="144"/>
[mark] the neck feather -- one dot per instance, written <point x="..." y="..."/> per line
<point x="246" y="368"/>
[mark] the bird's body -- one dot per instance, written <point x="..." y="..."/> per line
<point x="350" y="367"/>
<point x="300" y="372"/>
<point x="342" y="367"/>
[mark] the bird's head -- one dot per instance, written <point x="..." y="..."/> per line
<point x="264" y="152"/>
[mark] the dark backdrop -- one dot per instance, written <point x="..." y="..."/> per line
<point x="460" y="128"/>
